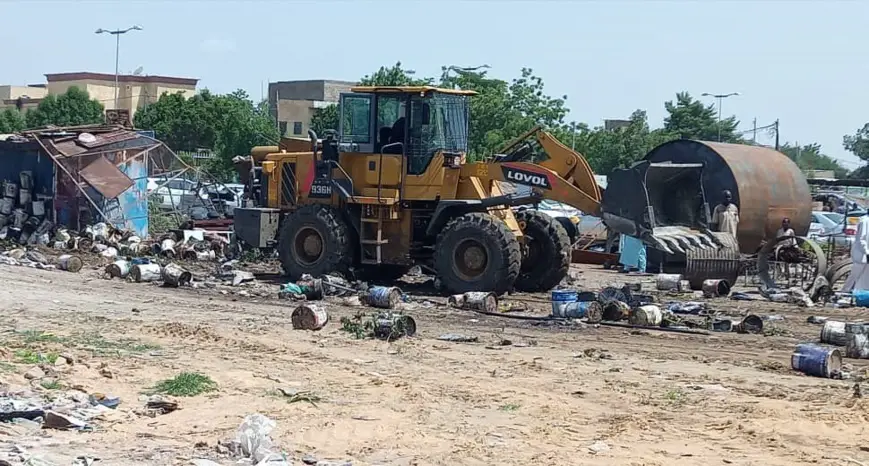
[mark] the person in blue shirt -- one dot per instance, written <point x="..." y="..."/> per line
<point x="632" y="254"/>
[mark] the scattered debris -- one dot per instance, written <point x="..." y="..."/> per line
<point x="159" y="405"/>
<point x="817" y="361"/>
<point x="750" y="324"/>
<point x="475" y="300"/>
<point x="70" y="263"/>
<point x="175" y="276"/>
<point x="386" y="326"/>
<point x="457" y="338"/>
<point x="715" y="288"/>
<point x="647" y="316"/>
<point x="146" y="272"/>
<point x="253" y="438"/>
<point x="309" y="317"/>
<point x="670" y="282"/>
<point x="384" y="297"/>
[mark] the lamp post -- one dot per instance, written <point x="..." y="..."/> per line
<point x="720" y="98"/>
<point x="117" y="33"/>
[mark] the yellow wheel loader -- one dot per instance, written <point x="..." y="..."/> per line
<point x="392" y="189"/>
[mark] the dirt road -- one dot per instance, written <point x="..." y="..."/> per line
<point x="559" y="395"/>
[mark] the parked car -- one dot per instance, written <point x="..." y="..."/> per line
<point x="833" y="226"/>
<point x="169" y="194"/>
<point x="228" y="196"/>
<point x="577" y="224"/>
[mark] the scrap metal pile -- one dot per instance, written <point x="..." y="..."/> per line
<point x="23" y="214"/>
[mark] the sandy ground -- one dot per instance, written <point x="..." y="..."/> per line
<point x="559" y="395"/>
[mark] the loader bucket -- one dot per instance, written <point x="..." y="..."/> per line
<point x="663" y="204"/>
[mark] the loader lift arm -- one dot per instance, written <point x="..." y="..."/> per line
<point x="558" y="173"/>
<point x="573" y="184"/>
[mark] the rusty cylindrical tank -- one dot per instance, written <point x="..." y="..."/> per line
<point x="766" y="185"/>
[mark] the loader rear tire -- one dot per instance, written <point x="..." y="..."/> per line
<point x="477" y="252"/>
<point x="547" y="258"/>
<point x="314" y="240"/>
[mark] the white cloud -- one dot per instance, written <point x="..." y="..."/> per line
<point x="217" y="46"/>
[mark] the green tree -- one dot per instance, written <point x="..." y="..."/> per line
<point x="810" y="157"/>
<point x="607" y="150"/>
<point x="858" y="143"/>
<point x="394" y="76"/>
<point x="501" y="111"/>
<point x="72" y="108"/>
<point x="11" y="121"/>
<point x="183" y="124"/>
<point x="240" y="126"/>
<point x="690" y="119"/>
<point x="230" y="125"/>
<point x="325" y="118"/>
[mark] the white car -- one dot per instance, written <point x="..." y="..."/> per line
<point x="169" y="195"/>
<point x="230" y="194"/>
<point x="577" y="224"/>
<point x="833" y="226"/>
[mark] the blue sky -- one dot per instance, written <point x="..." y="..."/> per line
<point x="804" y="62"/>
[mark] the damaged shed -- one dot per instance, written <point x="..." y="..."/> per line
<point x="79" y="176"/>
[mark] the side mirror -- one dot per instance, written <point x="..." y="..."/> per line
<point x="426" y="114"/>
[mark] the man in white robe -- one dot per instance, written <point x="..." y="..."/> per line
<point x="859" y="278"/>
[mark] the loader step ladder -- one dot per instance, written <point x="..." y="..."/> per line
<point x="371" y="238"/>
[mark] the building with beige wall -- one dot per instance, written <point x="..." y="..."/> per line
<point x="293" y="103"/>
<point x="22" y="97"/>
<point x="134" y="92"/>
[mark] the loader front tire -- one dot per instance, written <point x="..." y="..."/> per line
<point x="477" y="252"/>
<point x="314" y="240"/>
<point x="547" y="258"/>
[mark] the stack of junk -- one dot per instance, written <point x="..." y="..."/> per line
<point x="23" y="214"/>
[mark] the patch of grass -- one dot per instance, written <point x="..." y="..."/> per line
<point x="102" y="345"/>
<point x="510" y="407"/>
<point x="28" y="356"/>
<point x="186" y="384"/>
<point x="6" y="367"/>
<point x="38" y="336"/>
<point x="51" y="384"/>
<point x="676" y="396"/>
<point x="360" y="326"/>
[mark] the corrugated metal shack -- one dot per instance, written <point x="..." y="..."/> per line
<point x="85" y="174"/>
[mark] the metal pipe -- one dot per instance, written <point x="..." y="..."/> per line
<point x="117" y="33"/>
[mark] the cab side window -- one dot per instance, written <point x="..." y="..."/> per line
<point x="356" y="119"/>
<point x="390" y="122"/>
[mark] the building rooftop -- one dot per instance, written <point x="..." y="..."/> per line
<point x="312" y="81"/>
<point x="83" y="75"/>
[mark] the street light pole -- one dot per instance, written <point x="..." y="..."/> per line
<point x="117" y="33"/>
<point x="720" y="98"/>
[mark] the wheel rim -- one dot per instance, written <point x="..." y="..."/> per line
<point x="308" y="246"/>
<point x="470" y="259"/>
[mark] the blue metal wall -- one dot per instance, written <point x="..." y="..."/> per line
<point x="134" y="201"/>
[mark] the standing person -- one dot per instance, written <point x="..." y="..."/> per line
<point x="632" y="254"/>
<point x="859" y="278"/>
<point x="786" y="250"/>
<point x="725" y="217"/>
<point x="786" y="230"/>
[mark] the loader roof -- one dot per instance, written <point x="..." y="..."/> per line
<point x="409" y="90"/>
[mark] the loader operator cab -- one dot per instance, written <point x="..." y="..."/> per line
<point x="416" y="122"/>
